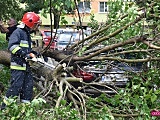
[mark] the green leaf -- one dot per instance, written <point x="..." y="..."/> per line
<point x="63" y="102"/>
<point x="135" y="87"/>
<point x="84" y="48"/>
<point x="153" y="98"/>
<point x="13" y="118"/>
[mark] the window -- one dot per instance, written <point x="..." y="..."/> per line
<point x="84" y="7"/>
<point x="103" y="7"/>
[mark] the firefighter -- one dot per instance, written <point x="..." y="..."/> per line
<point x="20" y="47"/>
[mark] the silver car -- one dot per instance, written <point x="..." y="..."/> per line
<point x="64" y="40"/>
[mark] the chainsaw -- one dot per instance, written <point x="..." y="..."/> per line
<point x="39" y="62"/>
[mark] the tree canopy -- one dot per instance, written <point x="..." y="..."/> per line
<point x="10" y="8"/>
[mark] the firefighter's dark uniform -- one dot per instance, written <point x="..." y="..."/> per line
<point x="21" y="76"/>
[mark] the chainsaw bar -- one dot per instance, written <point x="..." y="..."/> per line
<point x="39" y="63"/>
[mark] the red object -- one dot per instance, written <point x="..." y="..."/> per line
<point x="31" y="18"/>
<point x="155" y="113"/>
<point x="46" y="35"/>
<point x="86" y="76"/>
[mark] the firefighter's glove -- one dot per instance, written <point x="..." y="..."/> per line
<point x="30" y="56"/>
<point x="36" y="53"/>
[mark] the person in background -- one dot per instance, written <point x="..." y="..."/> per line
<point x="12" y="25"/>
<point x="20" y="47"/>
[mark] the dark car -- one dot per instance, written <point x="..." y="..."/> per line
<point x="46" y="36"/>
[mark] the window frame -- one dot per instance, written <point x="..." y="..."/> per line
<point x="99" y="7"/>
<point x="84" y="9"/>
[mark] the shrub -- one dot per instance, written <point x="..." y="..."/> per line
<point x="3" y="42"/>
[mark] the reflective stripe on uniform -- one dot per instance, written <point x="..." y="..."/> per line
<point x="15" y="64"/>
<point x="14" y="48"/>
<point x="24" y="43"/>
<point x="17" y="67"/>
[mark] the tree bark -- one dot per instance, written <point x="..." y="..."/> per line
<point x="5" y="57"/>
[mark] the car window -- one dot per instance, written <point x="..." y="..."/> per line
<point x="65" y="37"/>
<point x="75" y="35"/>
<point x="49" y="33"/>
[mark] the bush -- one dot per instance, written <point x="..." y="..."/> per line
<point x="3" y="42"/>
<point x="23" y="111"/>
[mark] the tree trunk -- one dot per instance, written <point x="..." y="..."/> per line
<point x="5" y="57"/>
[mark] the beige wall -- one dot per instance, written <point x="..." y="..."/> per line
<point x="100" y="17"/>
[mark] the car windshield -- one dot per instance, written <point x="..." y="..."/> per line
<point x="65" y="37"/>
<point x="75" y="35"/>
<point x="48" y="33"/>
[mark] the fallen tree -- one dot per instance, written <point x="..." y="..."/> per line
<point x="60" y="83"/>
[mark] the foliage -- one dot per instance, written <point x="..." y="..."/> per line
<point x="66" y="111"/>
<point x="24" y="111"/>
<point x="139" y="98"/>
<point x="93" y="23"/>
<point x="33" y="111"/>
<point x="33" y="5"/>
<point x="4" y="75"/>
<point x="3" y="42"/>
<point x="57" y="7"/>
<point x="4" y="71"/>
<point x="10" y="8"/>
<point x="116" y="11"/>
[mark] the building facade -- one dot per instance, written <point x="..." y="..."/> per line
<point x="98" y="8"/>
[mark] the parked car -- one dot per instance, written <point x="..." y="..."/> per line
<point x="46" y="37"/>
<point x="65" y="39"/>
<point x="112" y="73"/>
